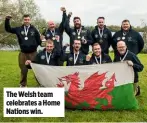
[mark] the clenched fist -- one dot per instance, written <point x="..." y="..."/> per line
<point x="8" y="16"/>
<point x="63" y="9"/>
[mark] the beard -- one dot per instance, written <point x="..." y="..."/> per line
<point x="77" y="26"/>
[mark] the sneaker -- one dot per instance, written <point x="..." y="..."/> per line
<point x="138" y="91"/>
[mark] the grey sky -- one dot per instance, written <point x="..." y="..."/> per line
<point x="113" y="10"/>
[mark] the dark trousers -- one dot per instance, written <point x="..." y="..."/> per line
<point x="24" y="70"/>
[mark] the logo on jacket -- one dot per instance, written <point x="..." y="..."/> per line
<point x="47" y="35"/>
<point x="43" y="57"/>
<point x="22" y="32"/>
<point x="70" y="58"/>
<point x="118" y="38"/>
<point x="73" y="33"/>
<point x="105" y="35"/>
<point x="96" y="36"/>
<point x="32" y="33"/>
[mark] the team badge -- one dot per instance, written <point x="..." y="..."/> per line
<point x="105" y="35"/>
<point x="129" y="38"/>
<point x="22" y="32"/>
<point x="96" y="35"/>
<point x="48" y="35"/>
<point x="32" y="33"/>
<point x="73" y="33"/>
<point x="70" y="58"/>
<point x="43" y="57"/>
<point x="118" y="38"/>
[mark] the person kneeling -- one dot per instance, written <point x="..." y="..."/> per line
<point x="124" y="54"/>
<point x="49" y="56"/>
<point x="98" y="57"/>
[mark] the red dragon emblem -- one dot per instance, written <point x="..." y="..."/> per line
<point x="91" y="91"/>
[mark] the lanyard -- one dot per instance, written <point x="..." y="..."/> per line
<point x="101" y="34"/>
<point x="76" y="57"/>
<point x="26" y="30"/>
<point x="79" y="31"/>
<point x="48" y="57"/>
<point x="97" y="60"/>
<point x="53" y="33"/>
<point x="122" y="59"/>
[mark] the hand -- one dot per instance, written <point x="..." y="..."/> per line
<point x="63" y="9"/>
<point x="57" y="37"/>
<point x="84" y="41"/>
<point x="42" y="37"/>
<point x="28" y="62"/>
<point x="130" y="63"/>
<point x="8" y="16"/>
<point x="67" y="45"/>
<point x="70" y="14"/>
<point x="88" y="57"/>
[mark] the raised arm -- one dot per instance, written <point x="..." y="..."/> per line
<point x="7" y="25"/>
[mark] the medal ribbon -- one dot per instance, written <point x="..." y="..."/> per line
<point x="76" y="57"/>
<point x="26" y="30"/>
<point x="124" y="57"/>
<point x="48" y="58"/>
<point x="97" y="60"/>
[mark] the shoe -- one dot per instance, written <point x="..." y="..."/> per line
<point x="21" y="86"/>
<point x="138" y="91"/>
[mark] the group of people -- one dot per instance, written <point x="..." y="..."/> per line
<point x="126" y="44"/>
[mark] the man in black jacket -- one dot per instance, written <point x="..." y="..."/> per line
<point x="102" y="35"/>
<point x="53" y="32"/>
<point x="28" y="39"/>
<point x="98" y="57"/>
<point x="75" y="57"/>
<point x="78" y="33"/>
<point x="133" y="39"/>
<point x="49" y="56"/>
<point x="125" y="55"/>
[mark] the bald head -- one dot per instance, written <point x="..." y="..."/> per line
<point x="121" y="47"/>
<point x="51" y="25"/>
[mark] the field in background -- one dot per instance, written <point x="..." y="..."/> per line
<point x="9" y="77"/>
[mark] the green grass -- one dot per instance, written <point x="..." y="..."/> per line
<point x="10" y="75"/>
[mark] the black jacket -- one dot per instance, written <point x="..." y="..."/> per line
<point x="58" y="31"/>
<point x="26" y="46"/>
<point x="133" y="40"/>
<point x="107" y="38"/>
<point x="105" y="59"/>
<point x="69" y="58"/>
<point x="72" y="33"/>
<point x="138" y="67"/>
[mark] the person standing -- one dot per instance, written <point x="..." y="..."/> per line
<point x="102" y="35"/>
<point x="28" y="39"/>
<point x="133" y="39"/>
<point x="79" y="32"/>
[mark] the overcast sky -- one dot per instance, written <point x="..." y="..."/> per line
<point x="113" y="10"/>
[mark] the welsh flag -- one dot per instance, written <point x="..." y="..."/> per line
<point x="102" y="87"/>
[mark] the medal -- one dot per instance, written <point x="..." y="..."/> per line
<point x="48" y="58"/>
<point x="79" y="32"/>
<point x="53" y="34"/>
<point x="123" y="38"/>
<point x="79" y="37"/>
<point x="26" y="38"/>
<point x="101" y="40"/>
<point x="26" y="30"/>
<point x="54" y="38"/>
